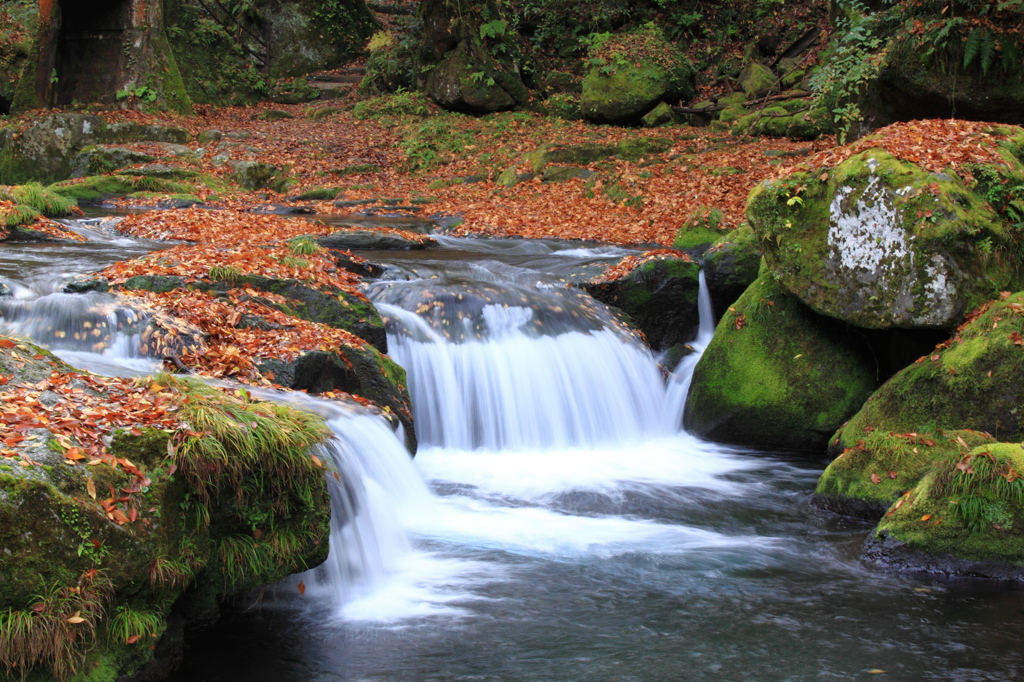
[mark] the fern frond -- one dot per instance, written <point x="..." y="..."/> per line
<point x="988" y="51"/>
<point x="972" y="46"/>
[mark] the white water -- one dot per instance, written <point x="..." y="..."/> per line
<point x="679" y="384"/>
<point x="517" y="426"/>
<point x="513" y="428"/>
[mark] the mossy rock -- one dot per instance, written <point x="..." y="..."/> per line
<point x="462" y="83"/>
<point x="159" y="533"/>
<point x="974" y="383"/>
<point x="699" y="231"/>
<point x="731" y="264"/>
<point x="337" y="309"/>
<point x="756" y="80"/>
<point x="660" y="297"/>
<point x="732" y="113"/>
<point x="100" y="159"/>
<point x="214" y="68"/>
<point x="636" y="148"/>
<point x="877" y="468"/>
<point x="259" y="175"/>
<point x="360" y="371"/>
<point x="777" y="375"/>
<point x="785" y="119"/>
<point x="964" y="518"/>
<point x="631" y="72"/>
<point x="96" y="188"/>
<point x="881" y="243"/>
<point x="660" y="115"/>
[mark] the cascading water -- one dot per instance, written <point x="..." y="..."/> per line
<point x="615" y="547"/>
<point x="679" y="384"/>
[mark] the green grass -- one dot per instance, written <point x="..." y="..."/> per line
<point x="57" y="628"/>
<point x="128" y="626"/>
<point x="303" y="246"/>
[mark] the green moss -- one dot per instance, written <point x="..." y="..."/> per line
<point x="630" y="73"/>
<point x="636" y="148"/>
<point x="970" y="506"/>
<point x="99" y="187"/>
<point x="880" y="466"/>
<point x="972" y="384"/>
<point x="700" y="229"/>
<point x="776" y="374"/>
<point x="946" y="250"/>
<point x="319" y="194"/>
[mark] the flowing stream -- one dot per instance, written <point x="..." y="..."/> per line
<point x="556" y="523"/>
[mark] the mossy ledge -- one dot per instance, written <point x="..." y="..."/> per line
<point x="107" y="547"/>
<point x="965" y="518"/>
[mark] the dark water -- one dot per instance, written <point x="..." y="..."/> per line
<point x="800" y="608"/>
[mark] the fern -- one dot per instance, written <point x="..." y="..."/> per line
<point x="988" y="51"/>
<point x="972" y="46"/>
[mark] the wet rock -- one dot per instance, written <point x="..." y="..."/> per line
<point x="731" y="265"/>
<point x="371" y="240"/>
<point x="660" y="297"/>
<point x="359" y="371"/>
<point x="972" y="383"/>
<point x="877" y="468"/>
<point x="963" y="518"/>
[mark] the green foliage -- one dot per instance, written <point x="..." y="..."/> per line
<point x="303" y="246"/>
<point x="56" y="628"/>
<point x="399" y="104"/>
<point x="40" y="199"/>
<point x="561" y="27"/>
<point x="433" y="143"/>
<point x="143" y="93"/>
<point x="225" y="273"/>
<point x="260" y="444"/>
<point x="980" y="486"/>
<point x="128" y="625"/>
<point x="856" y="56"/>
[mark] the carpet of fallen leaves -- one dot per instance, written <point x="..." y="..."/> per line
<point x="81" y="410"/>
<point x="321" y="142"/>
<point x="937" y="145"/>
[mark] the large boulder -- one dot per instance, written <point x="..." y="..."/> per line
<point x="48" y="149"/>
<point x="777" y="375"/>
<point x="631" y="73"/>
<point x="913" y="84"/>
<point x="660" y="297"/>
<point x="164" y="513"/>
<point x="882" y="243"/>
<point x="879" y="466"/>
<point x="965" y="518"/>
<point x="472" y="65"/>
<point x="461" y="83"/>
<point x="972" y="382"/>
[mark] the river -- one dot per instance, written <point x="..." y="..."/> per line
<point x="556" y="523"/>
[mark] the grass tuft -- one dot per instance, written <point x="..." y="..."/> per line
<point x="56" y="630"/>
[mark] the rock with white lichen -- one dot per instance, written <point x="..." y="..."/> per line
<point x="882" y="243"/>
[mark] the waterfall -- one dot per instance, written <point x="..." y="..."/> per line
<point x="679" y="382"/>
<point x="515" y="391"/>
